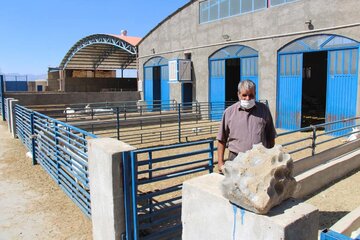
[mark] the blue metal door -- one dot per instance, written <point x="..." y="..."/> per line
<point x="165" y="93"/>
<point x="39" y="88"/>
<point x="341" y="94"/>
<point x="148" y="85"/>
<point x="289" y="91"/>
<point x="217" y="89"/>
<point x="249" y="70"/>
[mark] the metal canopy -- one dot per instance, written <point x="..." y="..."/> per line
<point x="100" y="52"/>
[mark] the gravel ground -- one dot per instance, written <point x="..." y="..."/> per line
<point x="32" y="205"/>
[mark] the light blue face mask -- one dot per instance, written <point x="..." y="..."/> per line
<point x="247" y="104"/>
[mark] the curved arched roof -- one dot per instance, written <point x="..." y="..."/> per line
<point x="102" y="52"/>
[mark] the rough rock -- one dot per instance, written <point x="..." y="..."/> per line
<point x="259" y="179"/>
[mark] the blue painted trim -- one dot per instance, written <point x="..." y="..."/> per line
<point x="327" y="41"/>
<point x="241" y="47"/>
<point x="332" y="235"/>
<point x="299" y="40"/>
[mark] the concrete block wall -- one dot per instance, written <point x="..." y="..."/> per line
<point x="46" y="98"/>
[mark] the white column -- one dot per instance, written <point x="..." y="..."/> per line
<point x="106" y="187"/>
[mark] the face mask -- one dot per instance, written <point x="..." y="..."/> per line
<point x="247" y="104"/>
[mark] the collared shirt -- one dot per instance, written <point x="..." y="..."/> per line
<point x="241" y="129"/>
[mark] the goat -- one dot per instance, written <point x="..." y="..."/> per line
<point x="76" y="165"/>
<point x="196" y="130"/>
<point x="355" y="135"/>
<point x="70" y="112"/>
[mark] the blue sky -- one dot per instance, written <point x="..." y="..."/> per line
<point x="37" y="34"/>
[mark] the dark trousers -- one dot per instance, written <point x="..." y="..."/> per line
<point x="232" y="155"/>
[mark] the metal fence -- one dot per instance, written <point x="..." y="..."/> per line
<point x="152" y="186"/>
<point x="5" y="109"/>
<point x="16" y="83"/>
<point x="145" y="123"/>
<point x="61" y="150"/>
<point x="315" y="138"/>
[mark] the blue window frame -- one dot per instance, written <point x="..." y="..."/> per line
<point x="211" y="10"/>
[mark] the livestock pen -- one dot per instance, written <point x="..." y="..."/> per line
<point x="61" y="148"/>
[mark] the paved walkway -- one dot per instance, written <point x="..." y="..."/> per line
<point x="32" y="206"/>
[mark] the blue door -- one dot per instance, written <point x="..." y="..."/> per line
<point x="165" y="93"/>
<point x="148" y="86"/>
<point x="249" y="70"/>
<point x="289" y="91"/>
<point x="341" y="88"/>
<point x="217" y="89"/>
<point x="39" y="88"/>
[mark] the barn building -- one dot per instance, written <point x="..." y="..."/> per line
<point x="303" y="55"/>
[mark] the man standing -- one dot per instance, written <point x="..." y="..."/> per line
<point x="245" y="123"/>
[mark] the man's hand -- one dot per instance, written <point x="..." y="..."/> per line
<point x="221" y="167"/>
<point x="221" y="150"/>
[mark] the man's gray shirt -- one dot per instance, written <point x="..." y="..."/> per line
<point x="241" y="129"/>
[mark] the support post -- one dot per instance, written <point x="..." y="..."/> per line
<point x="106" y="187"/>
<point x="32" y="125"/>
<point x="313" y="144"/>
<point x="8" y="112"/>
<point x="12" y="116"/>
<point x="179" y="122"/>
<point x="117" y="123"/>
<point x="2" y="97"/>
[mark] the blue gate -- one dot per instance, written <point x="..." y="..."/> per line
<point x="217" y="74"/>
<point x="289" y="91"/>
<point x="152" y="187"/>
<point x="341" y="88"/>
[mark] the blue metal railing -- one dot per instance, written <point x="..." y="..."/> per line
<point x="2" y="107"/>
<point x="152" y="186"/>
<point x="60" y="149"/>
<point x="318" y="136"/>
<point x="136" y="124"/>
<point x="331" y="235"/>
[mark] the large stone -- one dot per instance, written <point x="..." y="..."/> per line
<point x="259" y="179"/>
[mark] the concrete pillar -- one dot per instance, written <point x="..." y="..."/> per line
<point x="12" y="115"/>
<point x="207" y="215"/>
<point x="8" y="112"/>
<point x="106" y="187"/>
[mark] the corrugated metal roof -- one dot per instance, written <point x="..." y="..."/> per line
<point x="102" y="52"/>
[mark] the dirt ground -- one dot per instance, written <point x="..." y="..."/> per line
<point x="34" y="207"/>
